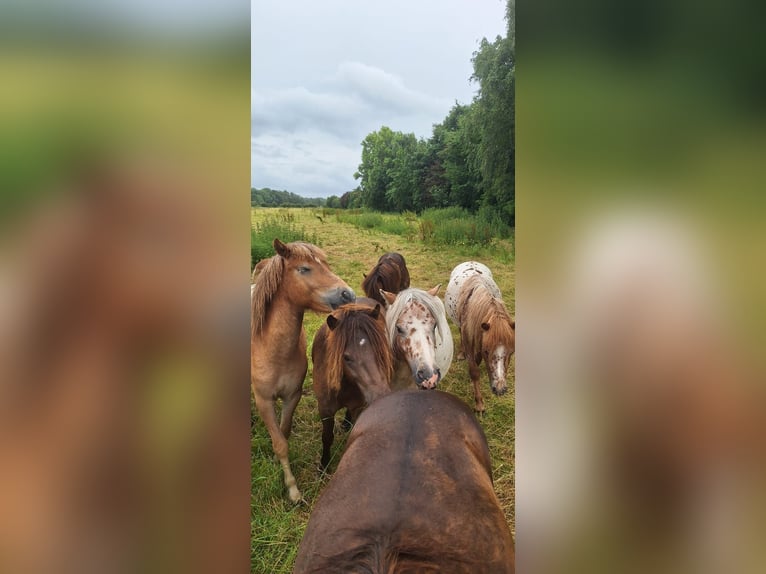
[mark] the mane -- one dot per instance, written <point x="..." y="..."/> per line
<point x="355" y="321"/>
<point x="477" y="305"/>
<point x="381" y="272"/>
<point x="433" y="304"/>
<point x="381" y="555"/>
<point x="267" y="278"/>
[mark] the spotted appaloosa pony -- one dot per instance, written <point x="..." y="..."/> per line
<point x="295" y="279"/>
<point x="412" y="493"/>
<point x="487" y="332"/>
<point x="389" y="274"/>
<point x="352" y="364"/>
<point x="419" y="337"/>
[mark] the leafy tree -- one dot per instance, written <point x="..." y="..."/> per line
<point x="469" y="161"/>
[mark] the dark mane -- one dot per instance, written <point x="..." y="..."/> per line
<point x="390" y="274"/>
<point x="355" y="321"/>
<point x="382" y="555"/>
<point x="475" y="306"/>
<point x="267" y="279"/>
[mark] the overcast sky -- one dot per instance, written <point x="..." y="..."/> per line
<point x="326" y="73"/>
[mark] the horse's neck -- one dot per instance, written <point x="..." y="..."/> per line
<point x="285" y="321"/>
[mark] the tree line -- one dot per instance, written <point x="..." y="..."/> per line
<point x="267" y="197"/>
<point x="469" y="160"/>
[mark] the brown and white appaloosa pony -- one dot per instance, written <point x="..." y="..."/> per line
<point x="413" y="493"/>
<point x="295" y="279"/>
<point x="487" y="332"/>
<point x="419" y="336"/>
<point x="352" y="364"/>
<point x="389" y="274"/>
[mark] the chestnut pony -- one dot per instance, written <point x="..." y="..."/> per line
<point x="352" y="364"/>
<point x="487" y="331"/>
<point x="413" y="493"/>
<point x="389" y="274"/>
<point x="295" y="279"/>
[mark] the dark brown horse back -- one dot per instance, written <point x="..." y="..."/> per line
<point x="412" y="493"/>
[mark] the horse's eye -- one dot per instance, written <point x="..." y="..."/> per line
<point x="400" y="330"/>
<point x="348" y="358"/>
<point x="303" y="269"/>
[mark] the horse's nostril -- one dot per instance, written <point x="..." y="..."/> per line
<point x="348" y="295"/>
<point x="421" y="375"/>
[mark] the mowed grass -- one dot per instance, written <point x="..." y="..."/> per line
<point x="277" y="525"/>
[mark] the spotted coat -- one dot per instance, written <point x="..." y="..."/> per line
<point x="457" y="278"/>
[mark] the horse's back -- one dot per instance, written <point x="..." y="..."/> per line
<point x="418" y="464"/>
<point x="460" y="274"/>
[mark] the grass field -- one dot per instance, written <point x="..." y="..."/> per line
<point x="277" y="525"/>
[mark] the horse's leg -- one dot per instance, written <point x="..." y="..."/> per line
<point x="288" y="408"/>
<point x="348" y="421"/>
<point x="474" y="373"/>
<point x="328" y="436"/>
<point x="352" y="413"/>
<point x="278" y="443"/>
<point x="461" y="354"/>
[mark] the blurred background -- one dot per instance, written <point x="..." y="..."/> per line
<point x="640" y="294"/>
<point x="124" y="325"/>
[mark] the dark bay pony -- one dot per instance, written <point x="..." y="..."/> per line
<point x="413" y="493"/>
<point x="352" y="364"/>
<point x="389" y="274"/>
<point x="487" y="331"/>
<point x="295" y="279"/>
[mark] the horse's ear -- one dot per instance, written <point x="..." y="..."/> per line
<point x="375" y="313"/>
<point x="332" y="322"/>
<point x="389" y="297"/>
<point x="485" y="326"/>
<point x="281" y="248"/>
<point x="434" y="290"/>
<point x="364" y="275"/>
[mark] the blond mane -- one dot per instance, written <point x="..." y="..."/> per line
<point x="435" y="307"/>
<point x="267" y="279"/>
<point x="477" y="305"/>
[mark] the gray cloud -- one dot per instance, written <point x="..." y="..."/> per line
<point x="325" y="75"/>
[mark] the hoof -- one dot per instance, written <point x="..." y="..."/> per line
<point x="460" y="356"/>
<point x="480" y="412"/>
<point x="295" y="496"/>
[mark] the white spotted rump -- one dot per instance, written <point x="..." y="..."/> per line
<point x="458" y="277"/>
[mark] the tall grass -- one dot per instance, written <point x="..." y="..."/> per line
<point x="387" y="223"/>
<point x="456" y="226"/>
<point x="281" y="226"/>
<point x="444" y="226"/>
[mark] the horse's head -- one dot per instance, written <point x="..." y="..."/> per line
<point x="412" y="333"/>
<point x="498" y="343"/>
<point x="358" y="337"/>
<point x="308" y="280"/>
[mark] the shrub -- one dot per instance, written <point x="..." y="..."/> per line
<point x="282" y="226"/>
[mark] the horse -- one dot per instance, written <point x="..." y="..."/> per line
<point x="487" y="332"/>
<point x="352" y="364"/>
<point x="389" y="274"/>
<point x="297" y="278"/>
<point x="419" y="337"/>
<point x="412" y="487"/>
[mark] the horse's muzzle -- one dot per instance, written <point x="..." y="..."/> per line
<point x="499" y="392"/>
<point x="340" y="296"/>
<point x="427" y="379"/>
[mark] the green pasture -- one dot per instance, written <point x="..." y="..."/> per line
<point x="353" y="242"/>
